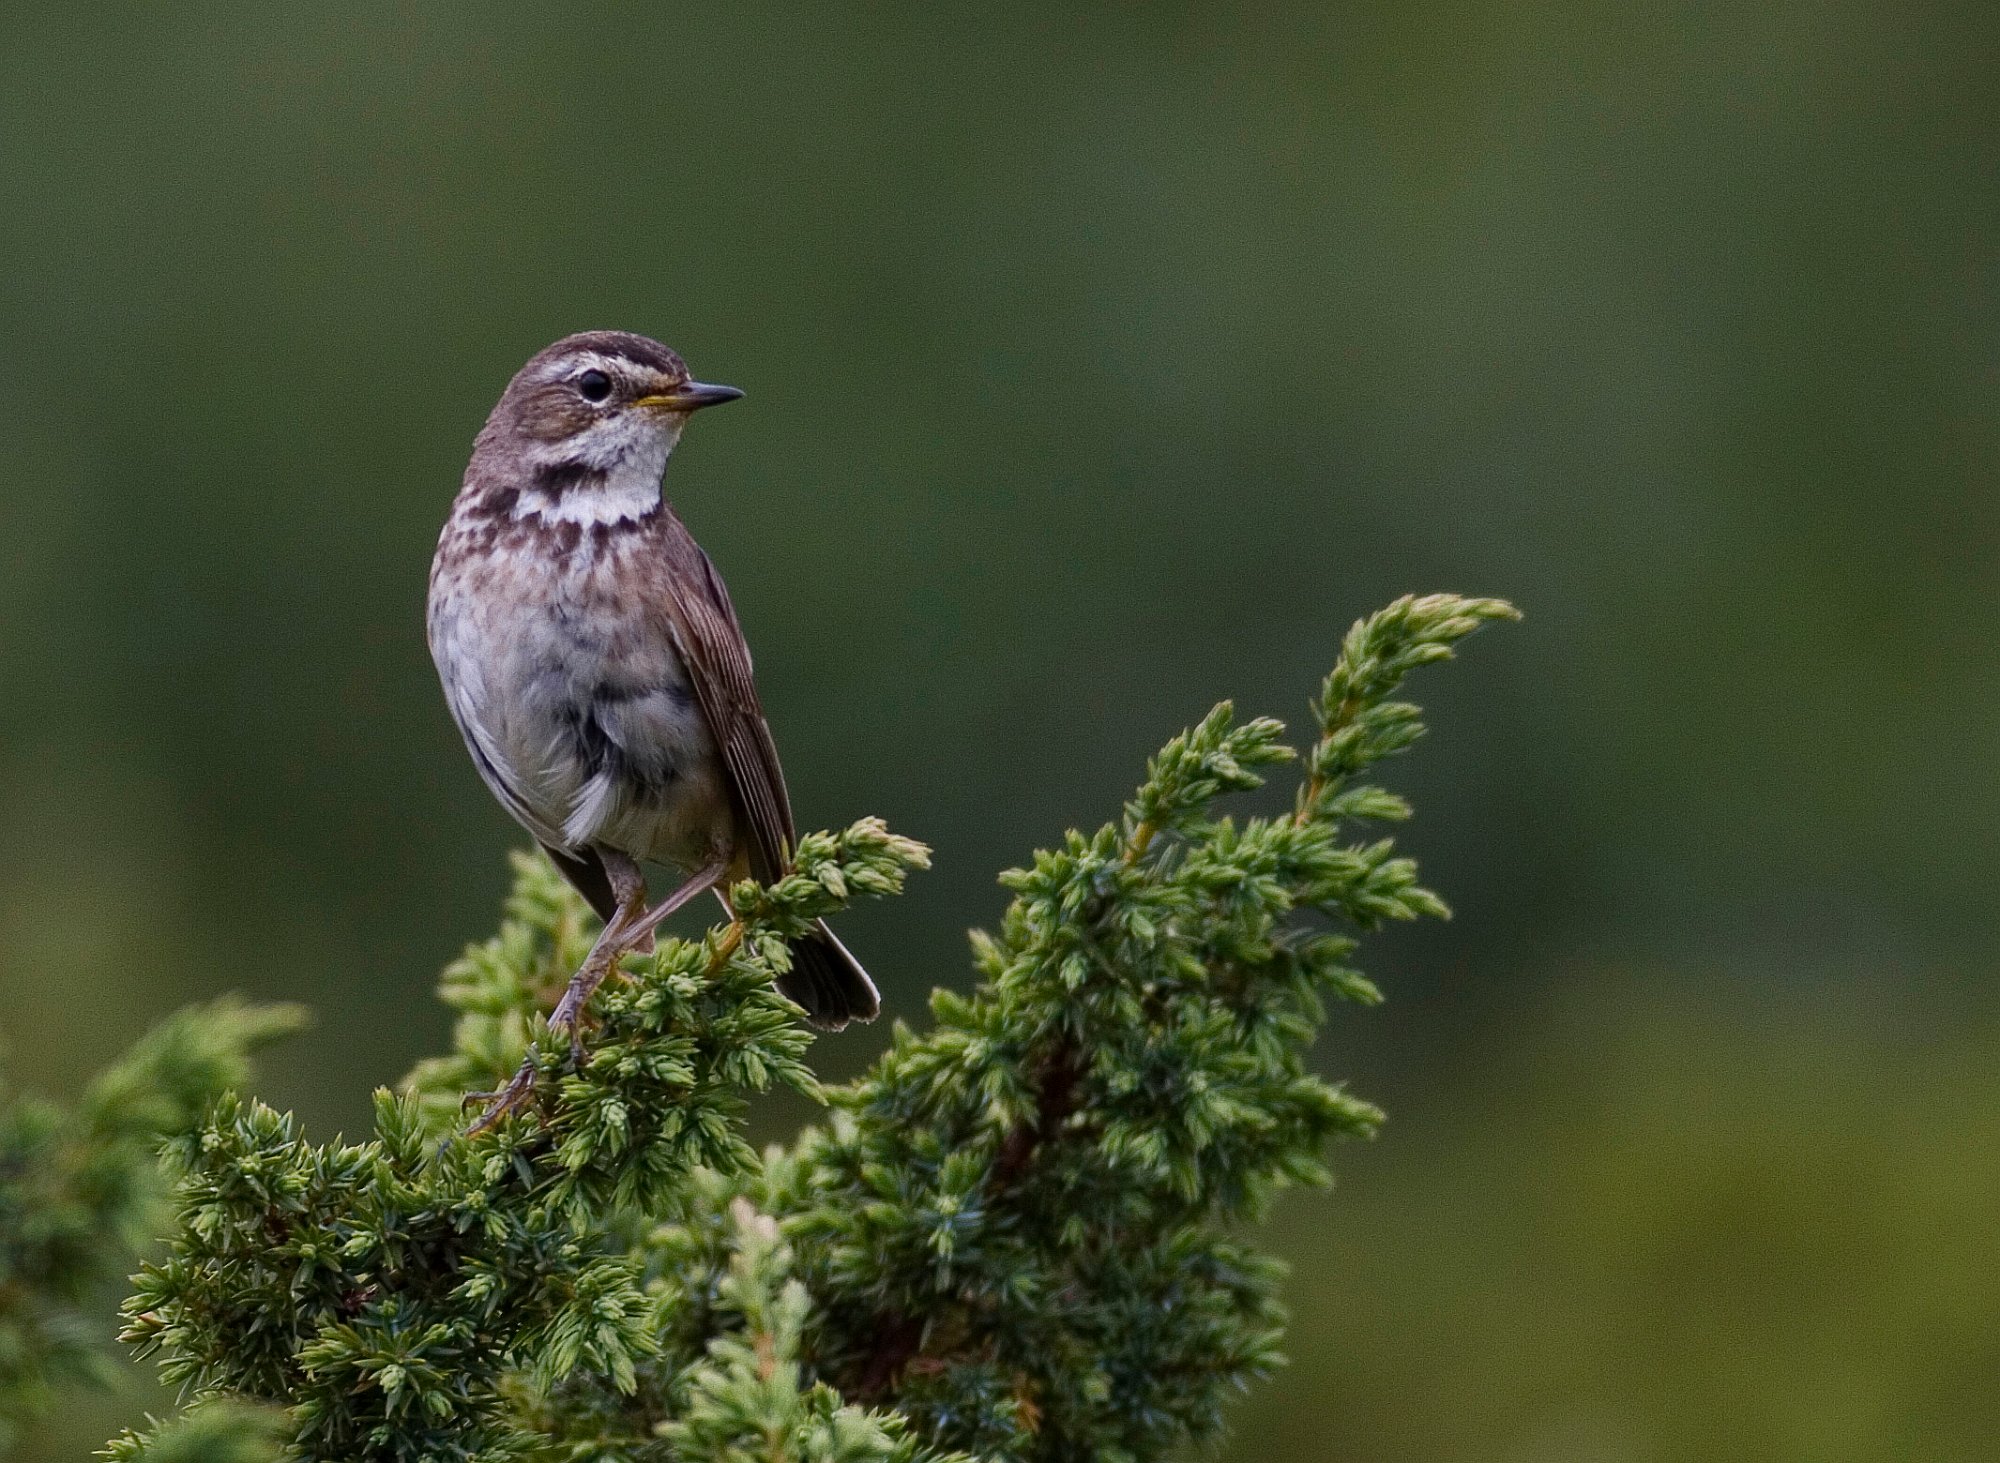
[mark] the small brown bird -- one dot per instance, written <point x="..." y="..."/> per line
<point x="594" y="665"/>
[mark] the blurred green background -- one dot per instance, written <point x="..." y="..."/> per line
<point x="1103" y="361"/>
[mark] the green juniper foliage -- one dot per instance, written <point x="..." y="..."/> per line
<point x="220" y="1431"/>
<point x="1016" y="1238"/>
<point x="80" y="1190"/>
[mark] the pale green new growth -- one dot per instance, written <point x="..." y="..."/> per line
<point x="1019" y="1236"/>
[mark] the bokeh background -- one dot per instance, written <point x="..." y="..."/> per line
<point x="1103" y="361"/>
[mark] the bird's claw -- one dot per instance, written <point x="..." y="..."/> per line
<point x="507" y="1100"/>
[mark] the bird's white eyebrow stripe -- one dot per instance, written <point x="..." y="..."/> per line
<point x="576" y="365"/>
<point x="611" y="363"/>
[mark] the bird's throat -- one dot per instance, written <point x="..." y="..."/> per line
<point x="627" y="490"/>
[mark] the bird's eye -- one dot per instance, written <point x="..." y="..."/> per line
<point x="594" y="385"/>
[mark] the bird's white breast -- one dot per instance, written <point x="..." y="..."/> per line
<point x="566" y="685"/>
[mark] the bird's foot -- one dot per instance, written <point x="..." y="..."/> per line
<point x="568" y="1015"/>
<point x="507" y="1100"/>
<point x="576" y="1048"/>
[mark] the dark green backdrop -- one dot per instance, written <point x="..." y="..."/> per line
<point x="1103" y="361"/>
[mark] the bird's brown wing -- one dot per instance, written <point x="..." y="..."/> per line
<point x="711" y="645"/>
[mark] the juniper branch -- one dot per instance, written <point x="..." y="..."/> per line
<point x="1014" y="1238"/>
<point x="1009" y="1198"/>
<point x="400" y="1298"/>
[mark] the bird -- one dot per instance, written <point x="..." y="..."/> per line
<point x="597" y="672"/>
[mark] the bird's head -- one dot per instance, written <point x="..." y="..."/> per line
<point x="596" y="412"/>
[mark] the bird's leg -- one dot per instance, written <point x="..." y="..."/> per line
<point x="620" y="933"/>
<point x="604" y="956"/>
<point x="630" y="924"/>
<point x="628" y="887"/>
<point x="703" y="879"/>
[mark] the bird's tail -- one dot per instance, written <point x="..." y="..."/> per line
<point x="829" y="982"/>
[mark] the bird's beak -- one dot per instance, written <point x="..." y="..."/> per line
<point x="689" y="396"/>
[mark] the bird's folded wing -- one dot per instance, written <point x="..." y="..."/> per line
<point x="711" y="645"/>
